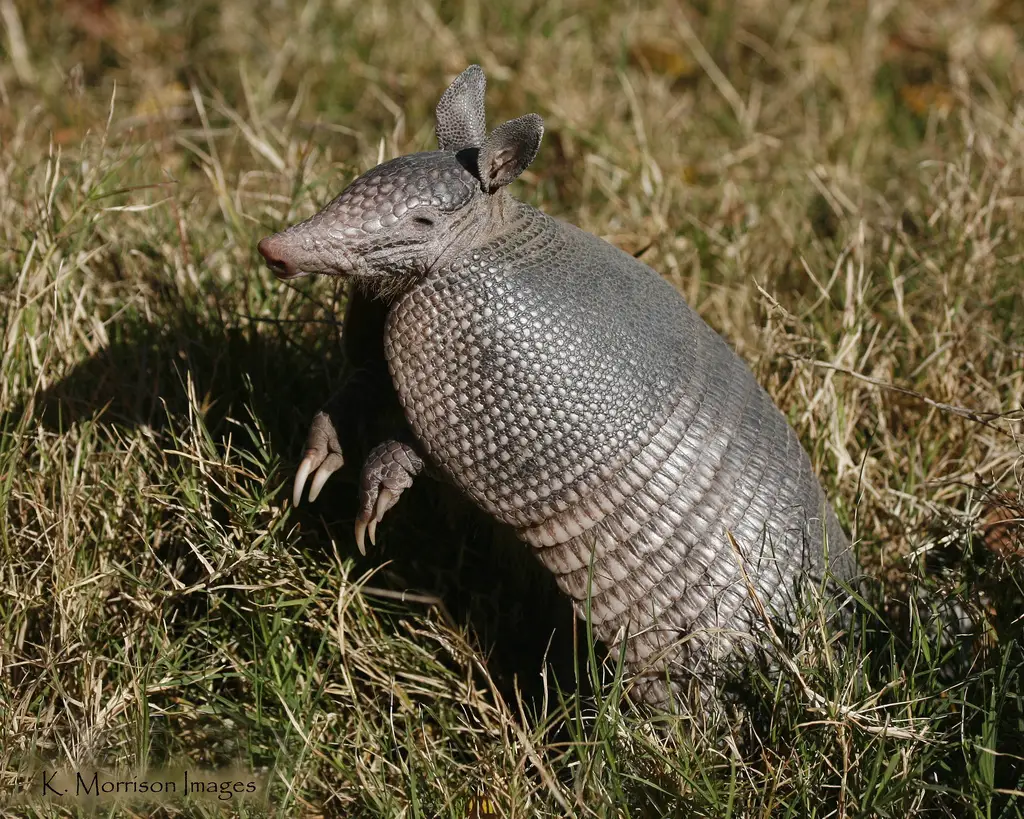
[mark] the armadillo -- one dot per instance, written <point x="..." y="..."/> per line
<point x="569" y="391"/>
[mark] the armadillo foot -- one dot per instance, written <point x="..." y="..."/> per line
<point x="322" y="458"/>
<point x="389" y="470"/>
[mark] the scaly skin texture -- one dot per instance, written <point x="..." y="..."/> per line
<point x="571" y="393"/>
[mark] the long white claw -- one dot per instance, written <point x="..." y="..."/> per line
<point x="385" y="500"/>
<point x="300" y="479"/>
<point x="371" y="530"/>
<point x="319" y="479"/>
<point x="360" y="536"/>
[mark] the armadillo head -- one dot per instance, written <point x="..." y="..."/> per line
<point x="416" y="213"/>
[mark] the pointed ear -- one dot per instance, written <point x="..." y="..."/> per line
<point x="509" y="150"/>
<point x="460" y="113"/>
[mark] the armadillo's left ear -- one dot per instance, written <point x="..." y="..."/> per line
<point x="460" y="113"/>
<point x="509" y="150"/>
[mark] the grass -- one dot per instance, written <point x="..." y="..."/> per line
<point x="836" y="187"/>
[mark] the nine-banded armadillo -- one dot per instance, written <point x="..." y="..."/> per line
<point x="570" y="392"/>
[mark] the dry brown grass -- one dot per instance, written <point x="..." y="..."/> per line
<point x="836" y="187"/>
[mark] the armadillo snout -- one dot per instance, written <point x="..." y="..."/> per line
<point x="272" y="249"/>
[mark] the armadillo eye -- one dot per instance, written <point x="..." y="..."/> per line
<point x="423" y="221"/>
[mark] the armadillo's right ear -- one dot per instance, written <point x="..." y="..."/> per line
<point x="460" y="113"/>
<point x="509" y="150"/>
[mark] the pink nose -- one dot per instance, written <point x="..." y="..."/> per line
<point x="271" y="250"/>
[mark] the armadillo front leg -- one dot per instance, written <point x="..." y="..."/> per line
<point x="389" y="470"/>
<point x="364" y="409"/>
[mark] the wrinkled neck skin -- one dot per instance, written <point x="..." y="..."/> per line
<point x="487" y="219"/>
<point x="506" y="213"/>
<point x="492" y="217"/>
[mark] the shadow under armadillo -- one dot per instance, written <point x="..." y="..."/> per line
<point x="433" y="543"/>
<point x="436" y="544"/>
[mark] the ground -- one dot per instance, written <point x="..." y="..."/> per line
<point x="836" y="187"/>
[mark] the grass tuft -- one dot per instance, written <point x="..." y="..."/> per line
<point x="835" y="187"/>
